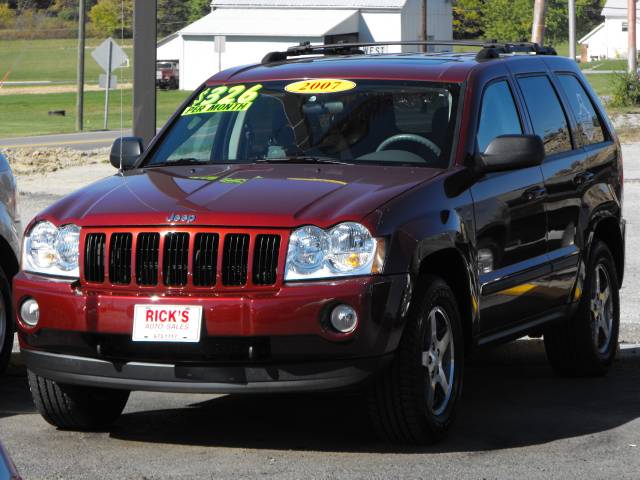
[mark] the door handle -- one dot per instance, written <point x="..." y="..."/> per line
<point x="534" y="193"/>
<point x="583" y="178"/>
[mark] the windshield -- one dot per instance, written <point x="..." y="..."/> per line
<point x="325" y="120"/>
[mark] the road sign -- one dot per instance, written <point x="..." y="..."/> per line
<point x="109" y="56"/>
<point x="220" y="43"/>
<point x="102" y="81"/>
<point x="118" y="58"/>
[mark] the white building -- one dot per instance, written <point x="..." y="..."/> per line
<point x="609" y="39"/>
<point x="253" y="28"/>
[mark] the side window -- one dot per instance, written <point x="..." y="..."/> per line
<point x="547" y="116"/>
<point x="589" y="127"/>
<point x="498" y="115"/>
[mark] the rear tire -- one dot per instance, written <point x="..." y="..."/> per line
<point x="414" y="400"/>
<point x="72" y="407"/>
<point x="586" y="344"/>
<point x="6" y="322"/>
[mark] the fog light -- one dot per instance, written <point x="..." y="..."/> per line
<point x="30" y="312"/>
<point x="344" y="319"/>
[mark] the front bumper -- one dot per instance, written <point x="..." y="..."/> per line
<point x="296" y="377"/>
<point x="260" y="341"/>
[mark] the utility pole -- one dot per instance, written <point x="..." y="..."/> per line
<point x="539" y="12"/>
<point x="632" y="58"/>
<point x="144" y="69"/>
<point x="80" y="76"/>
<point x="423" y="25"/>
<point x="572" y="29"/>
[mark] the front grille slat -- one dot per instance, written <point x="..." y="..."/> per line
<point x="265" y="259"/>
<point x="236" y="255"/>
<point x="176" y="259"/>
<point x="205" y="255"/>
<point x="94" y="257"/>
<point x="147" y="252"/>
<point x="120" y="258"/>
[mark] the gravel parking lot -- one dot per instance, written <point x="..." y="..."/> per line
<point x="517" y="418"/>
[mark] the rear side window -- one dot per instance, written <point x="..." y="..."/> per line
<point x="589" y="127"/>
<point x="547" y="116"/>
<point x="498" y="115"/>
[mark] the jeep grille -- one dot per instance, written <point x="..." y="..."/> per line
<point x="182" y="259"/>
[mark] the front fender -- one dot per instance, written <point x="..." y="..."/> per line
<point x="427" y="228"/>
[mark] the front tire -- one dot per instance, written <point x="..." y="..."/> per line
<point x="72" y="407"/>
<point x="586" y="344"/>
<point x="415" y="399"/>
<point x="6" y="322"/>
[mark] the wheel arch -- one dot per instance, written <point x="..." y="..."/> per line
<point x="451" y="266"/>
<point x="607" y="230"/>
<point x="8" y="261"/>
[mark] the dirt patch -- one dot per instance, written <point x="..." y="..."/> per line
<point x="25" y="161"/>
<point x="35" y="90"/>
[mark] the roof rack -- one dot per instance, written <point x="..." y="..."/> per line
<point x="488" y="49"/>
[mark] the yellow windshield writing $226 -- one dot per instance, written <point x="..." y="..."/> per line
<point x="235" y="98"/>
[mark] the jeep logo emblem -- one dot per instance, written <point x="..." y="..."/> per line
<point x="176" y="217"/>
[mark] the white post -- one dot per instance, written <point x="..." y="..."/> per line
<point x="572" y="29"/>
<point x="631" y="32"/>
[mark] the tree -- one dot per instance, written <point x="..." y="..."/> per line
<point x="172" y="16"/>
<point x="198" y="9"/>
<point x="6" y="15"/>
<point x="508" y="20"/>
<point x="107" y="17"/>
<point x="467" y="19"/>
<point x="68" y="9"/>
<point x="589" y="15"/>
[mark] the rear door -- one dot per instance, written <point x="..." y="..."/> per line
<point x="565" y="179"/>
<point x="510" y="221"/>
<point x="600" y="151"/>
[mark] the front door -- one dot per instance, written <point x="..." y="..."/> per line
<point x="510" y="223"/>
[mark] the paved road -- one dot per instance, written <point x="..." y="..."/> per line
<point x="516" y="421"/>
<point x="79" y="141"/>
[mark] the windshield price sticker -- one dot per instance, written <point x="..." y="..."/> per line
<point x="236" y="98"/>
<point x="320" y="85"/>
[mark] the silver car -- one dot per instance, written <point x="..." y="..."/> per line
<point x="9" y="248"/>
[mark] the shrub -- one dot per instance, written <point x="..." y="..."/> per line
<point x="6" y="15"/>
<point x="626" y="90"/>
<point x="106" y="17"/>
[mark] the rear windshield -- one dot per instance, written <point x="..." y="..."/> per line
<point x="388" y="122"/>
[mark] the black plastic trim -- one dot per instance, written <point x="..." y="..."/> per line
<point x="301" y="377"/>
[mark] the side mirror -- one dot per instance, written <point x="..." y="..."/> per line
<point x="510" y="152"/>
<point x="125" y="152"/>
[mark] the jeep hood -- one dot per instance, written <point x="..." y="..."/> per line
<point x="269" y="195"/>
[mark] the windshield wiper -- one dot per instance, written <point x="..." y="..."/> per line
<point x="302" y="159"/>
<point x="180" y="162"/>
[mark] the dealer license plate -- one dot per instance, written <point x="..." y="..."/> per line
<point x="167" y="323"/>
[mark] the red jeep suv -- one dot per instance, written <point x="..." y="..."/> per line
<point x="330" y="219"/>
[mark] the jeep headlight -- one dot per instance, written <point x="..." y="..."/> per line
<point x="348" y="249"/>
<point x="50" y="250"/>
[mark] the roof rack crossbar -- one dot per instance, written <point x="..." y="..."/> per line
<point x="488" y="48"/>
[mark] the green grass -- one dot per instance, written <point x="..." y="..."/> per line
<point x="53" y="60"/>
<point x="602" y="83"/>
<point x="605" y="65"/>
<point x="24" y="115"/>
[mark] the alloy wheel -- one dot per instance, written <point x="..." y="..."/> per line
<point x="438" y="360"/>
<point x="601" y="307"/>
